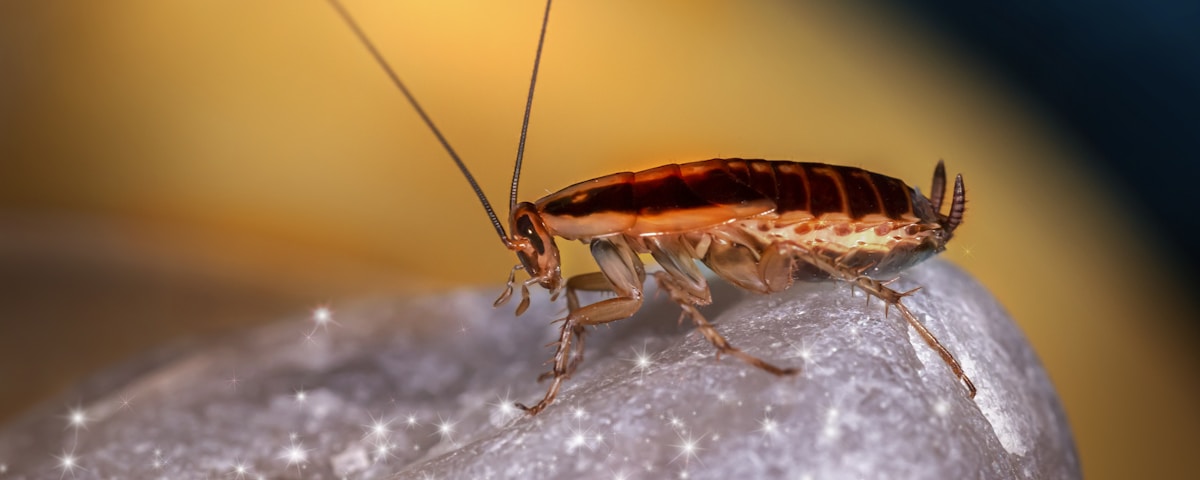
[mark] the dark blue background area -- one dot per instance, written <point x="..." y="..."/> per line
<point x="1122" y="77"/>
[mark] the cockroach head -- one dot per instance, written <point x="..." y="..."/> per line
<point x="535" y="246"/>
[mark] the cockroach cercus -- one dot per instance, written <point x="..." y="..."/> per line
<point x="758" y="224"/>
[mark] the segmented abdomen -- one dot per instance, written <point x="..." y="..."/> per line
<point x="677" y="198"/>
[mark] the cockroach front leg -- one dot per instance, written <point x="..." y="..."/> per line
<point x="591" y="282"/>
<point x="624" y="273"/>
<point x="891" y="298"/>
<point x="508" y="291"/>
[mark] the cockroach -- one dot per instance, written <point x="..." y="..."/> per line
<point x="758" y="224"/>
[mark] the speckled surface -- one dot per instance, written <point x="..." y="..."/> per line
<point x="360" y="396"/>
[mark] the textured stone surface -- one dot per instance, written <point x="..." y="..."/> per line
<point x="423" y="388"/>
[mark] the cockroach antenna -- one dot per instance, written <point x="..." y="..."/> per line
<point x="537" y="61"/>
<point x="412" y="100"/>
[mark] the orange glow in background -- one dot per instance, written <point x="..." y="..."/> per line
<point x="197" y="166"/>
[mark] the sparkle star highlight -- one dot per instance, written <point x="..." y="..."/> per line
<point x="642" y="362"/>
<point x="505" y="408"/>
<point x="445" y="428"/>
<point x="768" y="427"/>
<point x="68" y="463"/>
<point x="379" y="428"/>
<point x="295" y="454"/>
<point x="689" y="448"/>
<point x="240" y="470"/>
<point x="77" y="418"/>
<point x="300" y="395"/>
<point x="581" y="438"/>
<point x="322" y="317"/>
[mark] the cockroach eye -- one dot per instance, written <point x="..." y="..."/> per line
<point x="525" y="229"/>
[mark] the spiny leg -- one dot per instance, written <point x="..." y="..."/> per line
<point x="622" y="270"/>
<point x="590" y="282"/>
<point x="844" y="261"/>
<point x="892" y="299"/>
<point x="680" y="295"/>
<point x="558" y="371"/>
<point x="600" y="312"/>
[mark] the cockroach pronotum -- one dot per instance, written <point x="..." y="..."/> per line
<point x="758" y="224"/>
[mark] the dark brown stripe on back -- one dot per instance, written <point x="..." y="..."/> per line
<point x="613" y="197"/>
<point x="657" y="193"/>
<point x="791" y="187"/>
<point x="714" y="182"/>
<point x="860" y="194"/>
<point x="824" y="194"/>
<point x="738" y="169"/>
<point x="761" y="177"/>
<point x="895" y="195"/>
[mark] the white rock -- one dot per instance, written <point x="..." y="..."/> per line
<point x="872" y="400"/>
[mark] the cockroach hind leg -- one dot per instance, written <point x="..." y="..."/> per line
<point x="891" y="299"/>
<point x="930" y="340"/>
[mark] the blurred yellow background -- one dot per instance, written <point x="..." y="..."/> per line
<point x="196" y="166"/>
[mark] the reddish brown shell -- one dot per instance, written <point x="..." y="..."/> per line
<point x="678" y="198"/>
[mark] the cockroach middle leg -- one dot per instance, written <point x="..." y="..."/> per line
<point x="680" y="296"/>
<point x="891" y="299"/>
